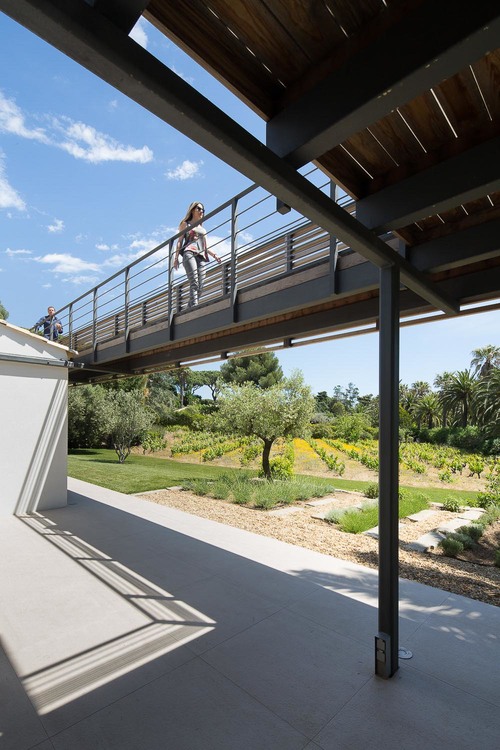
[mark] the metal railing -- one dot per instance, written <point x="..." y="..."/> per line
<point x="255" y="241"/>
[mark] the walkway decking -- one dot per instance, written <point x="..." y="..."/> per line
<point x="128" y="625"/>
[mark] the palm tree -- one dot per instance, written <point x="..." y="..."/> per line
<point x="439" y="383"/>
<point x="488" y="402"/>
<point x="458" y="394"/>
<point x="485" y="359"/>
<point x="428" y="408"/>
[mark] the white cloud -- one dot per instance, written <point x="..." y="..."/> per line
<point x="103" y="246"/>
<point x="138" y="33"/>
<point x="185" y="171"/>
<point x="46" y="286"/>
<point x="87" y="143"/>
<point x="9" y="197"/>
<point x="12" y="121"/>
<point x="56" y="227"/>
<point x="17" y="252"/>
<point x="76" y="138"/>
<point x="81" y="280"/>
<point x="66" y="263"/>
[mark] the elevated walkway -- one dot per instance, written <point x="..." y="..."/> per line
<point x="126" y="624"/>
<point x="283" y="281"/>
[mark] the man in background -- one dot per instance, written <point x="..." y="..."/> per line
<point x="52" y="326"/>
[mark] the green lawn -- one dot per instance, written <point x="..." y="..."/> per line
<point x="146" y="473"/>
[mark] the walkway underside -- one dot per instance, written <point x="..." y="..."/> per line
<point x="287" y="311"/>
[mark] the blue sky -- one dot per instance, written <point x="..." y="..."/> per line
<point x="89" y="181"/>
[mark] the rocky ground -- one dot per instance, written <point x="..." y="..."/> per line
<point x="471" y="579"/>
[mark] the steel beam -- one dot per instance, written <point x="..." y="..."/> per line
<point x="460" y="179"/>
<point x="416" y="52"/>
<point x="123" y="13"/>
<point x="85" y="36"/>
<point x="387" y="639"/>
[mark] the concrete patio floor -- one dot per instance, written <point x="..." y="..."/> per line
<point x="131" y="626"/>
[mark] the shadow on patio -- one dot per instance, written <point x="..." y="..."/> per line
<point x="132" y="625"/>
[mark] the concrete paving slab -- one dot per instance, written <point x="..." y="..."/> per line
<point x="422" y="515"/>
<point x="472" y="515"/>
<point x="427" y="541"/>
<point x="374" y="532"/>
<point x="321" y="501"/>
<point x="450" y="526"/>
<point x="284" y="511"/>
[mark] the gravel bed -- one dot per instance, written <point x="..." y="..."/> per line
<point x="431" y="568"/>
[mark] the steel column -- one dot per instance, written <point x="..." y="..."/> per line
<point x="234" y="246"/>
<point x="386" y="641"/>
<point x="333" y="245"/>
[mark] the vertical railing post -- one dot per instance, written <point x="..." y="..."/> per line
<point x="126" y="331"/>
<point x="233" y="288"/>
<point x="333" y="247"/>
<point x="386" y="641"/>
<point x="170" y="312"/>
<point x="94" y="323"/>
<point x="70" y="325"/>
<point x="288" y="252"/>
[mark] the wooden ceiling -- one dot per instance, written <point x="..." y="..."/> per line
<point x="395" y="99"/>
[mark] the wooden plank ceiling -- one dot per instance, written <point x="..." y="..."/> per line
<point x="315" y="55"/>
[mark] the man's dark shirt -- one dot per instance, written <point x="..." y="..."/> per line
<point x="49" y="327"/>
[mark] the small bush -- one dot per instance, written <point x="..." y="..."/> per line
<point x="281" y="468"/>
<point x="497" y="558"/>
<point x="464" y="539"/>
<point x="335" y="515"/>
<point x="451" y="504"/>
<point x="371" y="491"/>
<point x="474" y="531"/>
<point x="451" y="547"/>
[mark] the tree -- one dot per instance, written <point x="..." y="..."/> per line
<point x="89" y="416"/>
<point x="440" y="382"/>
<point x="428" y="409"/>
<point x="3" y="312"/>
<point x="487" y="402"/>
<point x="212" y="379"/>
<point x="283" y="410"/>
<point x="261" y="369"/>
<point x="130" y="419"/>
<point x="458" y="394"/>
<point x="485" y="359"/>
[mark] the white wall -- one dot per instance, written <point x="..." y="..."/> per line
<point x="33" y="423"/>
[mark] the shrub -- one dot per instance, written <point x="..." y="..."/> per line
<point x="153" y="441"/>
<point x="497" y="558"/>
<point x="491" y="446"/>
<point x="445" y="476"/>
<point x="476" y="466"/>
<point x="474" y="531"/>
<point x="371" y="491"/>
<point x="451" y="504"/>
<point x="322" y="431"/>
<point x="464" y="539"/>
<point x="491" y="496"/>
<point x="468" y="438"/>
<point x="335" y="515"/>
<point x="451" y="547"/>
<point x="438" y="435"/>
<point x="281" y="468"/>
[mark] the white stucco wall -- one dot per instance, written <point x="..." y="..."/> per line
<point x="33" y="422"/>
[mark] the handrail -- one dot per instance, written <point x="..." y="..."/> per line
<point x="284" y="243"/>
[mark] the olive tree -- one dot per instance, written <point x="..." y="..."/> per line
<point x="283" y="410"/>
<point x="130" y="420"/>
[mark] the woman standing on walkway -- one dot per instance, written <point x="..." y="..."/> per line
<point x="192" y="247"/>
